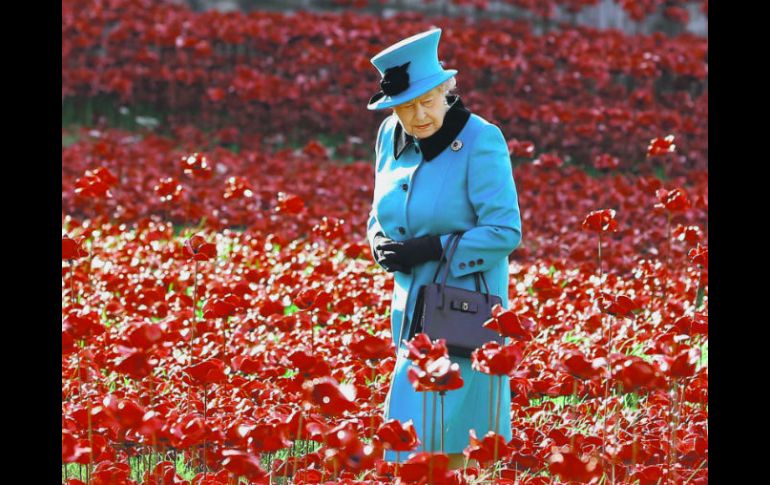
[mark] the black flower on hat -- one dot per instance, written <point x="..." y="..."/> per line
<point x="394" y="81"/>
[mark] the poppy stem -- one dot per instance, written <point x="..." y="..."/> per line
<point x="442" y="419"/>
<point x="668" y="257"/>
<point x="433" y="425"/>
<point x="154" y="446"/>
<point x="299" y="433"/>
<point x="673" y="421"/>
<point x="634" y="448"/>
<point x="195" y="306"/>
<point x="606" y="386"/>
<point x="499" y="401"/>
<point x="90" y="263"/>
<point x="574" y="392"/>
<point x="224" y="339"/>
<point x="205" y="443"/>
<point x="424" y="412"/>
<point x="73" y="300"/>
<point x="90" y="440"/>
<point x="491" y="393"/>
<point x="192" y="329"/>
<point x="80" y="380"/>
<point x="371" y="402"/>
<point x="398" y="459"/>
<point x="497" y="416"/>
<point x="600" y="256"/>
<point x="698" y="299"/>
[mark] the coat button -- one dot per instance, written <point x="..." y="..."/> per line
<point x="401" y="230"/>
<point x="472" y="264"/>
<point x="480" y="261"/>
<point x="405" y="187"/>
<point x="462" y="265"/>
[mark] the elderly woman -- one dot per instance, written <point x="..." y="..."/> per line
<point x="440" y="169"/>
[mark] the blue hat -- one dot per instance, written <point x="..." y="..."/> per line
<point x="409" y="68"/>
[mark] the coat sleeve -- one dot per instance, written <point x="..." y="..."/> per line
<point x="373" y="225"/>
<point x="492" y="192"/>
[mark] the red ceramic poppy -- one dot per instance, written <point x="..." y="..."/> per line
<point x="574" y="466"/>
<point x="224" y="307"/>
<point x="289" y="203"/>
<point x="198" y="249"/>
<point x="699" y="255"/>
<point x="606" y="161"/>
<point x="367" y="346"/>
<point x="425" y="467"/>
<point x="621" y="306"/>
<point x="135" y="363"/>
<point x="493" y="358"/>
<point x="488" y="448"/>
<point x="346" y="451"/>
<point x="421" y="349"/>
<point x="72" y="248"/>
<point x="95" y="183"/>
<point x="168" y="189"/>
<point x="601" y="221"/>
<point x="196" y="165"/>
<point x="523" y="149"/>
<point x="269" y="437"/>
<point x="509" y="324"/>
<point x="691" y="234"/>
<point x="435" y="375"/>
<point x="207" y="372"/>
<point x="575" y="363"/>
<point x="661" y="146"/>
<point x="237" y="187"/>
<point x="332" y="398"/>
<point x="634" y="374"/>
<point x="397" y="436"/>
<point x="673" y="201"/>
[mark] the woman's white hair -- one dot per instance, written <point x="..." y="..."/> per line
<point x="448" y="86"/>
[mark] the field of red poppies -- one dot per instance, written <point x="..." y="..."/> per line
<point x="223" y="320"/>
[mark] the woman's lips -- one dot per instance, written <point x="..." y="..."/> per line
<point x="423" y="126"/>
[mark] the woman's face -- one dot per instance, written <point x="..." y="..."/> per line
<point x="422" y="116"/>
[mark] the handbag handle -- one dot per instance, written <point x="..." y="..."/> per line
<point x="444" y="252"/>
<point x="452" y="244"/>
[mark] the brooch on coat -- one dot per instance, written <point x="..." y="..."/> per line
<point x="456" y="145"/>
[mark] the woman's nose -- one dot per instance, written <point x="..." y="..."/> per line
<point x="419" y="113"/>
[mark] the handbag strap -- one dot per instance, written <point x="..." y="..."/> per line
<point x="455" y="243"/>
<point x="452" y="244"/>
<point x="452" y="249"/>
<point x="478" y="286"/>
<point x="444" y="252"/>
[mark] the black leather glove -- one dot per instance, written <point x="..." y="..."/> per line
<point x="411" y="252"/>
<point x="386" y="260"/>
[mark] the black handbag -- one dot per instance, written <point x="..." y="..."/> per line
<point x="455" y="314"/>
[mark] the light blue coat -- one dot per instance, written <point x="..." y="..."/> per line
<point x="472" y="190"/>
